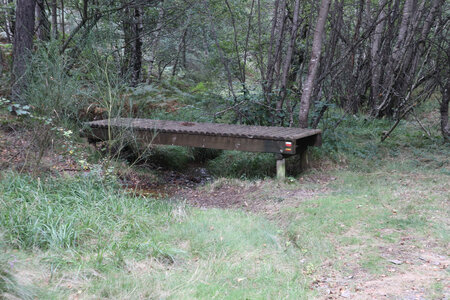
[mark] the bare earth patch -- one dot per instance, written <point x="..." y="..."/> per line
<point x="414" y="278"/>
<point x="19" y="151"/>
<point x="267" y="197"/>
<point x="412" y="272"/>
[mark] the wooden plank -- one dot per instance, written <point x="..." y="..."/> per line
<point x="214" y="129"/>
<point x="198" y="140"/>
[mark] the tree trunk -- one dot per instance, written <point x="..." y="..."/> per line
<point x="276" y="38"/>
<point x="137" y="55"/>
<point x="288" y="59"/>
<point x="23" y="44"/>
<point x="43" y="25"/>
<point x="1" y="63"/>
<point x="399" y="48"/>
<point x="375" y="56"/>
<point x="155" y="43"/>
<point x="394" y="71"/>
<point x="132" y="28"/>
<point x="184" y="50"/>
<point x="54" y="20"/>
<point x="305" y="102"/>
<point x="445" y="128"/>
<point x="220" y="50"/>
<point x="180" y="49"/>
<point x="9" y="23"/>
<point x="63" y="23"/>
<point x="127" y="25"/>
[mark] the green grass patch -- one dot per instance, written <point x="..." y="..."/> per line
<point x="117" y="245"/>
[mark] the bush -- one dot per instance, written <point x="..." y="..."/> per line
<point x="51" y="90"/>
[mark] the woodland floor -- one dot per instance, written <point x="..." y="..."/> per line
<point x="346" y="233"/>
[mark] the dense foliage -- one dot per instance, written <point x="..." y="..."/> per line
<point x="256" y="61"/>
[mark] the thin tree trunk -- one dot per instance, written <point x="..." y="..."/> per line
<point x="127" y="25"/>
<point x="220" y="50"/>
<point x="305" y="102"/>
<point x="155" y="43"/>
<point x="43" y="25"/>
<point x="247" y="38"/>
<point x="272" y="35"/>
<point x="137" y="51"/>
<point x="184" y="50"/>
<point x="205" y="41"/>
<point x="23" y="45"/>
<point x="403" y="31"/>
<point x="445" y="128"/>
<point x="273" y="61"/>
<point x="259" y="54"/>
<point x="1" y="63"/>
<point x="180" y="48"/>
<point x="54" y="20"/>
<point x="9" y="23"/>
<point x="63" y="24"/>
<point x="376" y="57"/>
<point x="288" y="59"/>
<point x="236" y="45"/>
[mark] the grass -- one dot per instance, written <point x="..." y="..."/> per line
<point x="8" y="282"/>
<point x="83" y="236"/>
<point x="92" y="239"/>
<point x="74" y="226"/>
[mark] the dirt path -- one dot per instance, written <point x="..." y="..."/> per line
<point x="412" y="272"/>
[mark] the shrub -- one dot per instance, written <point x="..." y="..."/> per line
<point x="51" y="89"/>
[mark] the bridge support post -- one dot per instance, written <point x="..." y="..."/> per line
<point x="281" y="166"/>
<point x="304" y="160"/>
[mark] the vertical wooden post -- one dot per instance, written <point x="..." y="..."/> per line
<point x="304" y="161"/>
<point x="281" y="166"/>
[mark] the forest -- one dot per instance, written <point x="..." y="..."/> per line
<point x="363" y="216"/>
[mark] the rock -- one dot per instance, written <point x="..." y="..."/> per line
<point x="395" y="261"/>
<point x="346" y="294"/>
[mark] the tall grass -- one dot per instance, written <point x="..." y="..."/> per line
<point x="55" y="213"/>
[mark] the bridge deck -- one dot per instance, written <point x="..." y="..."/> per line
<point x="175" y="129"/>
<point x="281" y="140"/>
<point x="215" y="129"/>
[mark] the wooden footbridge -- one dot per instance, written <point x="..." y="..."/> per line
<point x="282" y="141"/>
